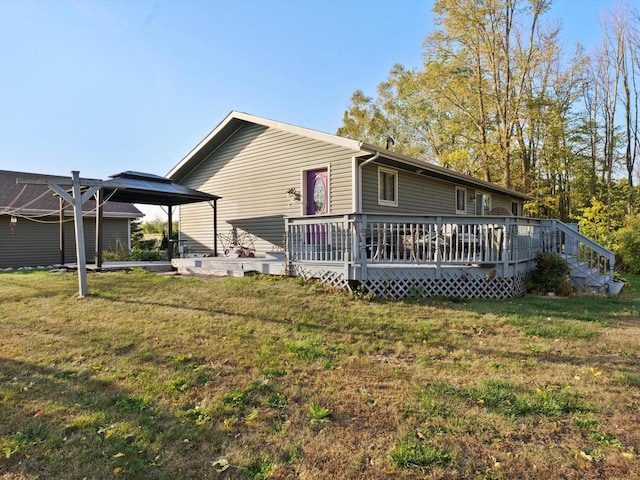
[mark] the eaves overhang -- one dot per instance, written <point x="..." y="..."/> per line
<point x="236" y="120"/>
<point x="421" y="167"/>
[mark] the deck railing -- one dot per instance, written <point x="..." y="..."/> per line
<point x="392" y="253"/>
<point x="581" y="252"/>
<point x="412" y="239"/>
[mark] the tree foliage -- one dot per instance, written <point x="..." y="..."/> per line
<point x="497" y="97"/>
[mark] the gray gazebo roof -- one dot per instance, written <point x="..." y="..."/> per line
<point x="146" y="188"/>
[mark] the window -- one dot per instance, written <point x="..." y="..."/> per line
<point x="387" y="187"/>
<point x="483" y="203"/>
<point x="514" y="208"/>
<point x="461" y="200"/>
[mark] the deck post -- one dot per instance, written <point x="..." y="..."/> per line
<point x="555" y="244"/>
<point x="506" y="247"/>
<point x="438" y="249"/>
<point x="287" y="246"/>
<point x="347" y="245"/>
<point x="361" y="229"/>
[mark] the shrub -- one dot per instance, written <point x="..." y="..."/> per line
<point x="628" y="244"/>
<point x="550" y="274"/>
<point x="139" y="255"/>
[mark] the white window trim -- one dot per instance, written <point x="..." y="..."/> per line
<point x="461" y="189"/>
<point x="393" y="172"/>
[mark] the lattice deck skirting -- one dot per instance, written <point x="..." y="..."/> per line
<point x="399" y="285"/>
<point x="455" y="283"/>
<point x="329" y="277"/>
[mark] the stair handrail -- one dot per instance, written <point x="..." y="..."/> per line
<point x="591" y="244"/>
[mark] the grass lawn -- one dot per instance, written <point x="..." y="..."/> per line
<point x="156" y="377"/>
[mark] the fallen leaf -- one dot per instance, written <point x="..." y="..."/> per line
<point x="586" y="456"/>
<point x="221" y="464"/>
<point x="118" y="455"/>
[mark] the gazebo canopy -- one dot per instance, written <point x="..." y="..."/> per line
<point x="149" y="189"/>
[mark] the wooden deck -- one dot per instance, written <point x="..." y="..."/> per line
<point x="458" y="256"/>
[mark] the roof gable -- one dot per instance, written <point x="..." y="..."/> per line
<point x="235" y="120"/>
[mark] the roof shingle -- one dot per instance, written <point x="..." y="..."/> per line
<point x="29" y="197"/>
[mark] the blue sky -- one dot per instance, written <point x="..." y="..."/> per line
<point x="108" y="86"/>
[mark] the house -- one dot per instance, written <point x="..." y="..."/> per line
<point x="31" y="231"/>
<point x="349" y="212"/>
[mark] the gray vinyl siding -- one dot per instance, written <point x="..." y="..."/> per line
<point x="500" y="201"/>
<point x="115" y="232"/>
<point x="422" y="195"/>
<point x="32" y="244"/>
<point x="252" y="172"/>
<point x="417" y="194"/>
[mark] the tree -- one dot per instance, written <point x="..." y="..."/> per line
<point x="496" y="97"/>
<point x="463" y="108"/>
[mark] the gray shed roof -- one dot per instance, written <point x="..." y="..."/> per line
<point x="25" y="198"/>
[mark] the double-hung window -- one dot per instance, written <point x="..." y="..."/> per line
<point x="461" y="200"/>
<point x="387" y="187"/>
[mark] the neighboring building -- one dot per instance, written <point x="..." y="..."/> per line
<point x="30" y="227"/>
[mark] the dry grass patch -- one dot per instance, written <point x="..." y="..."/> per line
<point x="165" y="377"/>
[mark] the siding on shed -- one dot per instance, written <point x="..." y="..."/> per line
<point x="115" y="236"/>
<point x="252" y="172"/>
<point x="31" y="244"/>
<point x="420" y="194"/>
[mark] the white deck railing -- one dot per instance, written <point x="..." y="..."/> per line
<point x="581" y="252"/>
<point x="413" y="240"/>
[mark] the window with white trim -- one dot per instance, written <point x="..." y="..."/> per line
<point x="461" y="200"/>
<point x="387" y="187"/>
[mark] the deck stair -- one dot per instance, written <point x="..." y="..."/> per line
<point x="591" y="266"/>
<point x="590" y="278"/>
<point x="272" y="264"/>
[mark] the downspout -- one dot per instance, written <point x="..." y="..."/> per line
<point x="359" y="180"/>
<point x="362" y="253"/>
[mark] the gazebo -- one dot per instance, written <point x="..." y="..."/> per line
<point x="149" y="189"/>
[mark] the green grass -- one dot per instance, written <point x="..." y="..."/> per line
<point x="155" y="377"/>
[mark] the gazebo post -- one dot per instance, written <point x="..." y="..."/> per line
<point x="215" y="227"/>
<point x="61" y="241"/>
<point x="99" y="227"/>
<point x="170" y="233"/>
